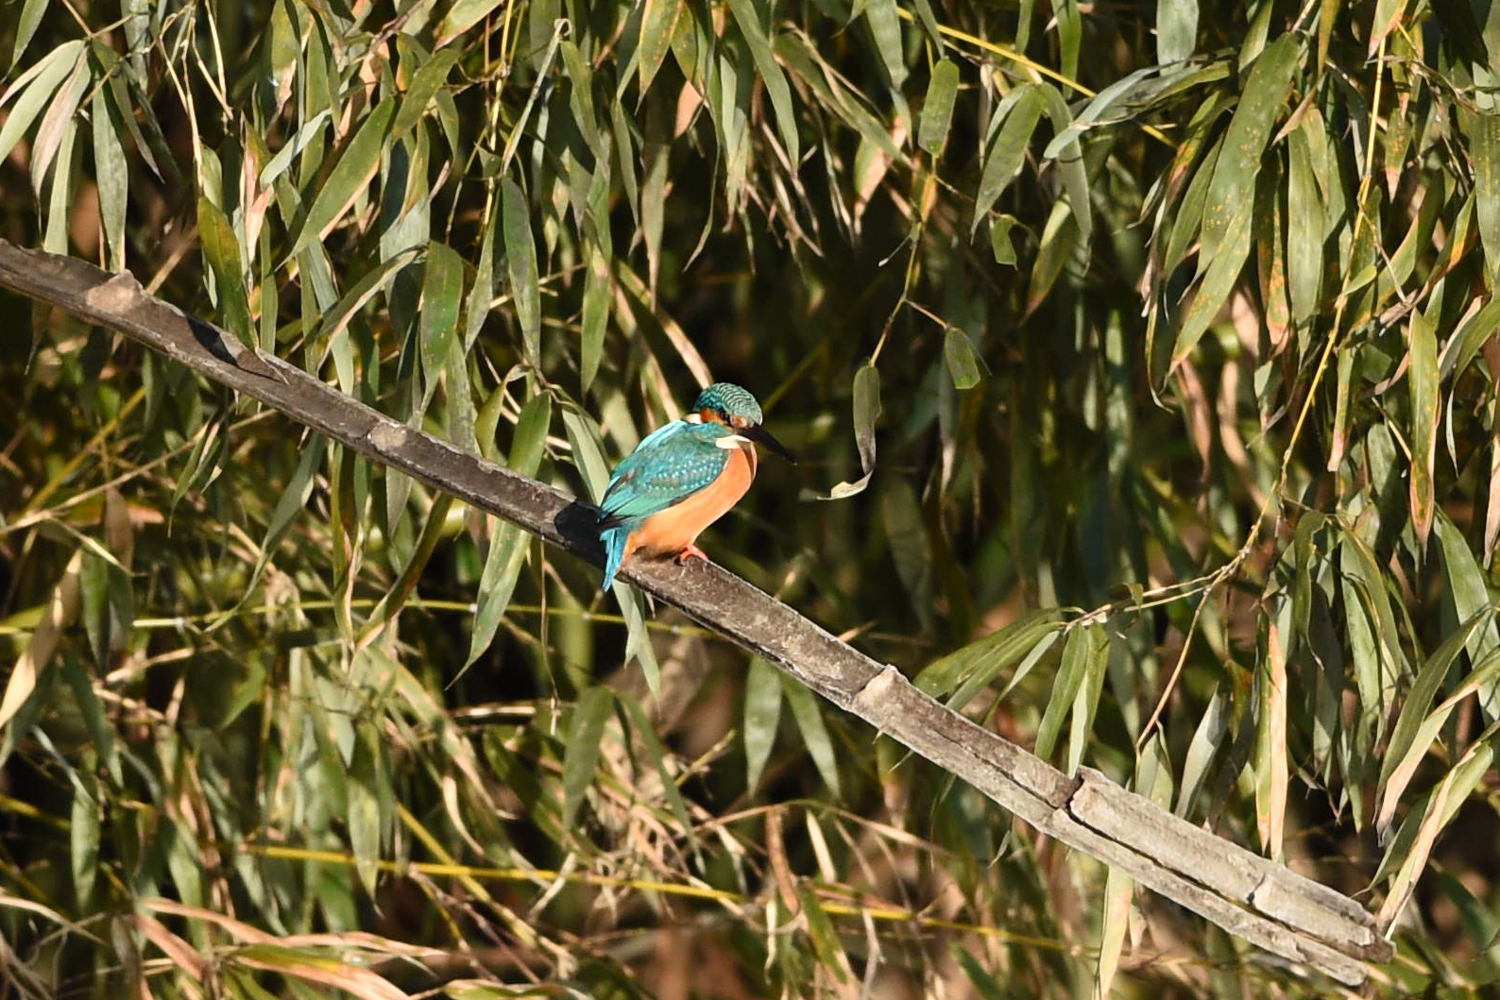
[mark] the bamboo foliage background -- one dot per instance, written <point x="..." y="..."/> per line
<point x="1140" y="358"/>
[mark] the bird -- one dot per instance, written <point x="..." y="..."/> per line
<point x="682" y="477"/>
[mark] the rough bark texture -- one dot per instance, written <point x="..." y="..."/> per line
<point x="1247" y="895"/>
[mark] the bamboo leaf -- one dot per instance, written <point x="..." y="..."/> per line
<point x="976" y="664"/>
<point x="748" y="19"/>
<point x="1018" y="114"/>
<point x="426" y="83"/>
<point x="658" y="23"/>
<point x="1425" y="403"/>
<point x="885" y="26"/>
<point x="462" y="16"/>
<point x="1483" y="131"/>
<point x="809" y="718"/>
<point x="937" y="110"/>
<point x="1264" y="94"/>
<point x="508" y="545"/>
<point x="520" y="262"/>
<point x="762" y="717"/>
<point x="866" y="413"/>
<point x="60" y="612"/>
<point x="112" y="174"/>
<point x="1176" y="30"/>
<point x="1078" y="654"/>
<point x="36" y="87"/>
<point x="825" y="939"/>
<point x="585" y="732"/>
<point x="221" y="249"/>
<point x="963" y="363"/>
<point x="26" y="25"/>
<point x="349" y="177"/>
<point x="1469" y="593"/>
<point x="442" y="290"/>
<point x="1086" y="701"/>
<point x="598" y="292"/>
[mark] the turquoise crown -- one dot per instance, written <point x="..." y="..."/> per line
<point x="729" y="400"/>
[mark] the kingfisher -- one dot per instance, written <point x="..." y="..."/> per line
<point x="682" y="477"/>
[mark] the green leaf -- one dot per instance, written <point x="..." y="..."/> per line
<point x="482" y="291"/>
<point x="804" y="706"/>
<point x="581" y="758"/>
<point x="1469" y="591"/>
<point x="762" y="717"/>
<point x="1223" y="271"/>
<point x="1425" y="403"/>
<point x="221" y="249"/>
<point x="639" y="643"/>
<point x="1207" y="739"/>
<point x="598" y="292"/>
<point x="976" y="664"/>
<point x="1471" y="335"/>
<point x="1116" y="905"/>
<point x="658" y="22"/>
<point x="937" y="110"/>
<point x="1483" y="131"/>
<point x="1418" y="725"/>
<point x="1176" y="29"/>
<point x="588" y="455"/>
<point x="1000" y="241"/>
<point x="36" y="86"/>
<point x="963" y="363"/>
<point x="371" y="282"/>
<point x="442" y="289"/>
<point x="986" y="985"/>
<point x="462" y="16"/>
<point x="748" y="19"/>
<point x="1086" y="701"/>
<point x="310" y="130"/>
<point x="1261" y="100"/>
<point x="430" y="78"/>
<point x="508" y="544"/>
<point x="113" y="176"/>
<point x="100" y="724"/>
<point x="349" y="177"/>
<point x="906" y="535"/>
<point x="520" y="262"/>
<point x="362" y="814"/>
<point x="26" y="25"/>
<point x="885" y="26"/>
<point x="84" y="835"/>
<point x="1069" y="157"/>
<point x="1077" y="658"/>
<point x="825" y="939"/>
<point x="1304" y="222"/>
<point x="866" y="413"/>
<point x="1018" y="114"/>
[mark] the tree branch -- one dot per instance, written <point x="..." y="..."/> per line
<point x="1247" y="895"/>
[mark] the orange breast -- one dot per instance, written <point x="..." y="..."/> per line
<point x="675" y="528"/>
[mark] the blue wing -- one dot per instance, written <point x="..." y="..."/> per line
<point x="669" y="465"/>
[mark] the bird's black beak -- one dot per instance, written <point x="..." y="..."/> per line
<point x="758" y="434"/>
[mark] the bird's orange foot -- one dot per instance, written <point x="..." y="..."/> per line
<point x="691" y="552"/>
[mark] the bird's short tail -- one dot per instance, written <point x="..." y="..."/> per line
<point x="614" y="540"/>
